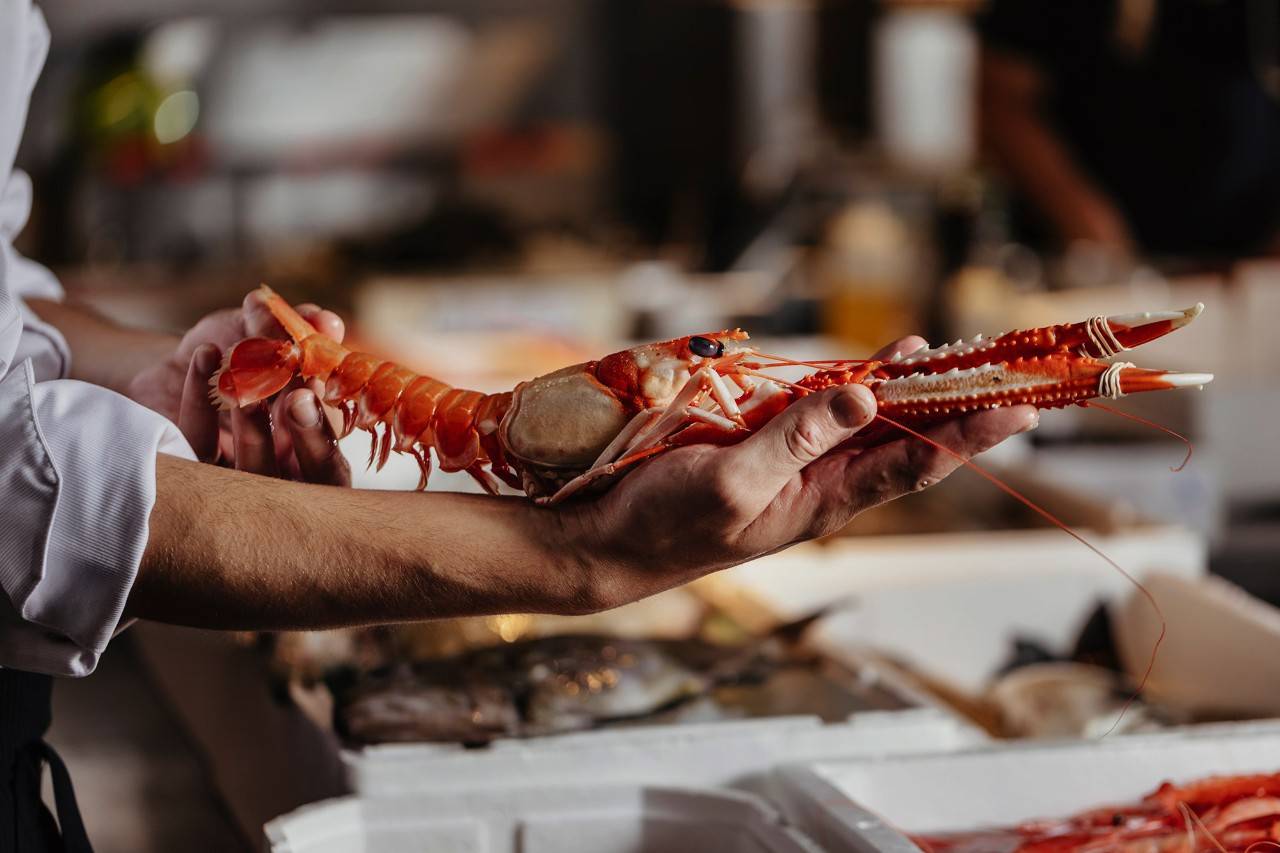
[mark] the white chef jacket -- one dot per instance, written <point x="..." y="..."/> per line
<point x="77" y="462"/>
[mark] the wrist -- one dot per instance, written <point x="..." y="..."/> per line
<point x="148" y="352"/>
<point x="585" y="575"/>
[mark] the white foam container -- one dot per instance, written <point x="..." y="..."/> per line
<point x="1219" y="653"/>
<point x="949" y="603"/>
<point x="275" y="758"/>
<point x="737" y="753"/>
<point x="580" y="819"/>
<point x="865" y="806"/>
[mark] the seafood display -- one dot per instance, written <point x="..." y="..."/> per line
<point x="555" y="685"/>
<point x="580" y="426"/>
<point x="1228" y="814"/>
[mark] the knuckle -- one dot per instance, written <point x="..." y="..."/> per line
<point x="922" y="467"/>
<point x="876" y="489"/>
<point x="975" y="436"/>
<point x="594" y="597"/>
<point x="804" y="441"/>
<point x="827" y="523"/>
<point x="721" y="487"/>
<point x="724" y="492"/>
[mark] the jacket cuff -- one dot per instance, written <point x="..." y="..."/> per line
<point x="85" y="485"/>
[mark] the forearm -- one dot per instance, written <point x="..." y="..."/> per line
<point x="229" y="550"/>
<point x="102" y="352"/>
<point x="1042" y="166"/>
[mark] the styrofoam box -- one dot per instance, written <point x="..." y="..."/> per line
<point x="738" y="753"/>
<point x="1138" y="475"/>
<point x="595" y="819"/>
<point x="866" y="806"/>
<point x="276" y="758"/>
<point x="949" y="603"/>
<point x="1218" y="658"/>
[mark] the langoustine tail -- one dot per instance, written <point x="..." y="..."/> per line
<point x="256" y="368"/>
<point x="294" y="323"/>
<point x="253" y="370"/>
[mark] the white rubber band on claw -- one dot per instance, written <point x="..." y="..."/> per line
<point x="1109" y="382"/>
<point x="1104" y="340"/>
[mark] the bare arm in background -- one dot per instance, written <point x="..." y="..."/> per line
<point x="103" y="353"/>
<point x="1014" y="129"/>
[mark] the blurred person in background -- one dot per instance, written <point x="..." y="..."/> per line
<point x="1143" y="126"/>
<point x="110" y="509"/>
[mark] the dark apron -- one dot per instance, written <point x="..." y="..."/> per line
<point x="25" y="823"/>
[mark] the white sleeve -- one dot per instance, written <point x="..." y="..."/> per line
<point x="78" y="479"/>
<point x="40" y="342"/>
<point x="77" y="462"/>
<point x="24" y="42"/>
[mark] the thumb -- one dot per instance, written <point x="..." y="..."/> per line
<point x="802" y="433"/>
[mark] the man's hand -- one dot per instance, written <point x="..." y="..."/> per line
<point x="702" y="508"/>
<point x="293" y="439"/>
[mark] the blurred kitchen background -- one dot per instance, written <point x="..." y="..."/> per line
<point x="491" y="189"/>
<point x="578" y="173"/>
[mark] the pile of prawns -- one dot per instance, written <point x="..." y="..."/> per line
<point x="1221" y="814"/>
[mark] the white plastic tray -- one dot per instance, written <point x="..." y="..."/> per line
<point x="595" y="819"/>
<point x="866" y="806"/>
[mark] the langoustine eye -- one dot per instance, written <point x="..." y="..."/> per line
<point x="706" y="347"/>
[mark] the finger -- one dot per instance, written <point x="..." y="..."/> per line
<point x="254" y="446"/>
<point x="331" y="414"/>
<point x="902" y="346"/>
<point x="800" y="435"/>
<point x="258" y="321"/>
<point x="908" y="465"/>
<point x="197" y="415"/>
<point x="326" y="323"/>
<point x="314" y="443"/>
<point x="286" y="464"/>
<point x="221" y="328"/>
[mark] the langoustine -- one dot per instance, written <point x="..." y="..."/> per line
<point x="578" y="427"/>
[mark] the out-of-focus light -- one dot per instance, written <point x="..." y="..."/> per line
<point x="121" y="100"/>
<point x="511" y="626"/>
<point x="176" y="116"/>
<point x="176" y="51"/>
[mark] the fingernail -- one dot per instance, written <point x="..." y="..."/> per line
<point x="207" y="358"/>
<point x="847" y="409"/>
<point x="305" y="410"/>
<point x="1032" y="424"/>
